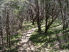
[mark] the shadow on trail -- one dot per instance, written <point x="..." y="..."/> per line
<point x="57" y="39"/>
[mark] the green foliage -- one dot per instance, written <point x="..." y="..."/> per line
<point x="14" y="37"/>
<point x="27" y="26"/>
<point x="14" y="4"/>
<point x="40" y="38"/>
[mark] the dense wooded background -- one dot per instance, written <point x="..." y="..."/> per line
<point x="17" y="15"/>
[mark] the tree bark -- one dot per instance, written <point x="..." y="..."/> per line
<point x="7" y="29"/>
<point x="37" y="16"/>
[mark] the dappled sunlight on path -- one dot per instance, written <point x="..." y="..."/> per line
<point x="25" y="45"/>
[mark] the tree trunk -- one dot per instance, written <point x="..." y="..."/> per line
<point x="37" y="16"/>
<point x="7" y="29"/>
<point x="1" y="33"/>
